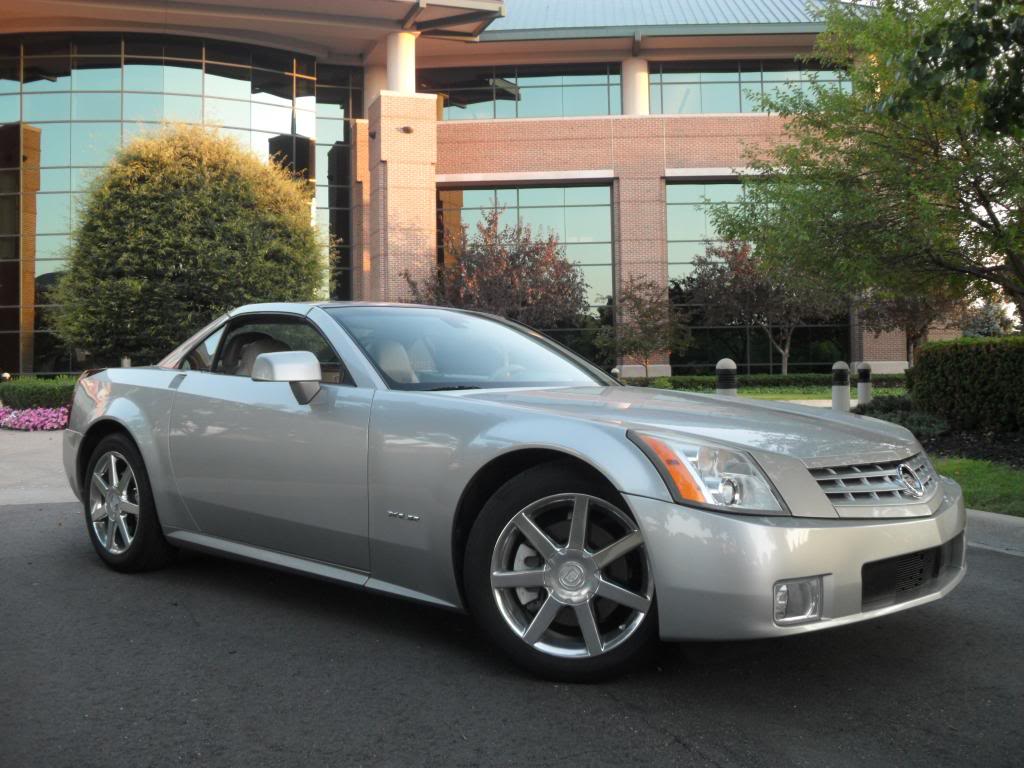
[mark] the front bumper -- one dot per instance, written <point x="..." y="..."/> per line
<point x="715" y="573"/>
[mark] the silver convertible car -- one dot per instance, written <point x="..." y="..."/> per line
<point x="469" y="462"/>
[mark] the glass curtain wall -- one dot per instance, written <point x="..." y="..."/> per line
<point x="679" y="88"/>
<point x="690" y="231"/>
<point x="579" y="216"/>
<point x="68" y="102"/>
<point x="565" y="90"/>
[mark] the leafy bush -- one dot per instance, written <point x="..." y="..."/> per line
<point x="900" y="410"/>
<point x="975" y="383"/>
<point x="31" y="392"/>
<point x="704" y="383"/>
<point x="182" y="225"/>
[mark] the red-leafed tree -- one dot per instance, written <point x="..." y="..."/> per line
<point x="734" y="287"/>
<point x="507" y="271"/>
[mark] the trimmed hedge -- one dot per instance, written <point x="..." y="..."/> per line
<point x="32" y="392"/>
<point x="704" y="383"/>
<point x="900" y="410"/>
<point x="974" y="383"/>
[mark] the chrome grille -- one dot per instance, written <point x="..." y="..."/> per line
<point x="875" y="483"/>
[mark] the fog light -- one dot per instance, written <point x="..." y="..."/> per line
<point x="797" y="600"/>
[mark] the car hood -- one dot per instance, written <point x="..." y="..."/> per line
<point x="816" y="436"/>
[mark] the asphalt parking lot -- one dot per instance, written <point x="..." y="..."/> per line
<point x="213" y="662"/>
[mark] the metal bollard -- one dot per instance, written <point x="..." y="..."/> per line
<point x="863" y="384"/>
<point x="725" y="377"/>
<point x="841" y="387"/>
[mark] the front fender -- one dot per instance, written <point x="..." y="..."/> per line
<point x="137" y="401"/>
<point x="424" y="449"/>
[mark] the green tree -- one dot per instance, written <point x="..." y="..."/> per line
<point x="646" y="326"/>
<point x="884" y="200"/>
<point x="182" y="225"/>
<point x="986" y="319"/>
<point x="733" y="286"/>
<point x="978" y="48"/>
<point x="507" y="271"/>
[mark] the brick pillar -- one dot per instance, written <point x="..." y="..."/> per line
<point x="640" y="219"/>
<point x="362" y="287"/>
<point x="403" y="220"/>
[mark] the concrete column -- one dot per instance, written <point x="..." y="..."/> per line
<point x="375" y="80"/>
<point x="401" y="50"/>
<point x="636" y="87"/>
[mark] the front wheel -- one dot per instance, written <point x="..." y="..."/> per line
<point x="119" y="510"/>
<point x="557" y="574"/>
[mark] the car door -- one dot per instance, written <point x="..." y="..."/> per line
<point x="253" y="465"/>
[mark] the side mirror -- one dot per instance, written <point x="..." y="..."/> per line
<point x="300" y="369"/>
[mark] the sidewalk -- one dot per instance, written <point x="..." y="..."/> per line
<point x="31" y="472"/>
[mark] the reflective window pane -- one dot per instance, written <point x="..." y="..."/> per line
<point x="181" y="77"/>
<point x="10" y="75"/>
<point x="226" y="112"/>
<point x="53" y="213"/>
<point x="227" y="82"/>
<point x="272" y="119"/>
<point x="52" y="74"/>
<point x="94" y="143"/>
<point x="96" y="75"/>
<point x="96" y="106"/>
<point x="55" y="144"/>
<point x="44" y="107"/>
<point x="183" y="109"/>
<point x="10" y="108"/>
<point x="143" y="76"/>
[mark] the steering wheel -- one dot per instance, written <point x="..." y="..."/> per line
<point x="507" y="372"/>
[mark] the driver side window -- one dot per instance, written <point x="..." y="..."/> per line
<point x="201" y="356"/>
<point x="249" y="337"/>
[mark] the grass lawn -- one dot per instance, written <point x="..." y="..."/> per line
<point x="987" y="485"/>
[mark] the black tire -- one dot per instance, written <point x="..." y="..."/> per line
<point x="515" y="495"/>
<point x="148" y="549"/>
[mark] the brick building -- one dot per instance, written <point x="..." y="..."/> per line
<point x="608" y="122"/>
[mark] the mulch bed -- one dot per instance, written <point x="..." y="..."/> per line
<point x="1003" y="447"/>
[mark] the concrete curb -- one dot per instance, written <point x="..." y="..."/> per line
<point x="1001" y="533"/>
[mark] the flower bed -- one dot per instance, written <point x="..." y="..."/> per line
<point x="34" y="419"/>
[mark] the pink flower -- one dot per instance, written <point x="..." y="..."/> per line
<point x="34" y="419"/>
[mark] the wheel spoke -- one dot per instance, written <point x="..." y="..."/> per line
<point x="99" y="482"/>
<point x="588" y="626"/>
<point x="130" y="508"/>
<point x="111" y="530"/>
<point x="113" y="471"/>
<point x="513" y="579"/>
<point x="578" y="525"/>
<point x="542" y="620"/>
<point x="99" y="512"/>
<point x="538" y="539"/>
<point x="623" y="596"/>
<point x="617" y="549"/>
<point x="125" y="479"/>
<point x="123" y="527"/>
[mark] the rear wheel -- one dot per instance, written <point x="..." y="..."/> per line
<point x="119" y="509"/>
<point x="557" y="574"/>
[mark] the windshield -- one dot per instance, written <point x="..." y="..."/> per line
<point x="437" y="349"/>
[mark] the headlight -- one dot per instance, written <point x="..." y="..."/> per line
<point x="710" y="476"/>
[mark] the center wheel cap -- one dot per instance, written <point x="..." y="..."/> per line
<point x="572" y="577"/>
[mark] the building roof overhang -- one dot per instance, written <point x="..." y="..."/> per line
<point x="349" y="32"/>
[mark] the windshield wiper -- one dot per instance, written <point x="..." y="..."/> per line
<point x="449" y="388"/>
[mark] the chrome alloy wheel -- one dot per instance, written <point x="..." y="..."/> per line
<point x="570" y="576"/>
<point x="114" y="502"/>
